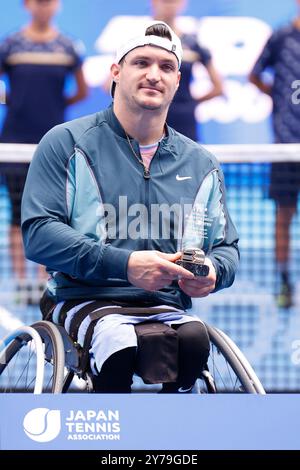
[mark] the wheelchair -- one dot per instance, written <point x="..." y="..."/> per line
<point x="42" y="358"/>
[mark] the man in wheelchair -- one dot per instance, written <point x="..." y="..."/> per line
<point x="130" y="219"/>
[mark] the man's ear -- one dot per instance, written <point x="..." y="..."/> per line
<point x="115" y="71"/>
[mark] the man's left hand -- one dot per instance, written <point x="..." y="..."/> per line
<point x="200" y="286"/>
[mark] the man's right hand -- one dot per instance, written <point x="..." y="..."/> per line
<point x="153" y="270"/>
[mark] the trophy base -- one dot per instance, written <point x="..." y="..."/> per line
<point x="195" y="268"/>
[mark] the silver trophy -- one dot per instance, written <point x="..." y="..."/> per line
<point x="193" y="260"/>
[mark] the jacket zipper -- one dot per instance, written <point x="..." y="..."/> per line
<point x="147" y="177"/>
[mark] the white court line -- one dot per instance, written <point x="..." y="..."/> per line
<point x="8" y="320"/>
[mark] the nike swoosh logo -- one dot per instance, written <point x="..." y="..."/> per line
<point x="184" y="390"/>
<point x="183" y="178"/>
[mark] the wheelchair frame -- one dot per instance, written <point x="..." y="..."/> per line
<point x="57" y="359"/>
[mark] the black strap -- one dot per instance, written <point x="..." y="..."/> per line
<point x="134" y="311"/>
<point x="47" y="306"/>
<point x="96" y="310"/>
<point x="85" y="351"/>
<point x="81" y="314"/>
<point x="98" y="314"/>
<point x="68" y="305"/>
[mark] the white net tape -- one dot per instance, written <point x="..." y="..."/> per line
<point x="240" y="153"/>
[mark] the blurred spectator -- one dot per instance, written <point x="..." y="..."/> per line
<point x="282" y="54"/>
<point x="181" y="114"/>
<point x="36" y="60"/>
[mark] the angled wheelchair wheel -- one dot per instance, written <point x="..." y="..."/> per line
<point x="244" y="362"/>
<point x="228" y="371"/>
<point x="32" y="360"/>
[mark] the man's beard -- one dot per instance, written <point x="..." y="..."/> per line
<point x="152" y="107"/>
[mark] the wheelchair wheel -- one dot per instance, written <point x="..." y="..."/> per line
<point x="245" y="363"/>
<point x="32" y="360"/>
<point x="227" y="371"/>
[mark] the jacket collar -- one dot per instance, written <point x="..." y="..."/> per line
<point x="113" y="122"/>
<point x="167" y="143"/>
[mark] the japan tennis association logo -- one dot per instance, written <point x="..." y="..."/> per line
<point x="42" y="424"/>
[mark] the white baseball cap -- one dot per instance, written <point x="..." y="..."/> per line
<point x="141" y="40"/>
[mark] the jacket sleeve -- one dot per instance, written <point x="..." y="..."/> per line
<point x="48" y="238"/>
<point x="223" y="251"/>
<point x="267" y="56"/>
<point x="225" y="259"/>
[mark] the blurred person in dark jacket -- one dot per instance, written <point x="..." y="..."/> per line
<point x="36" y="61"/>
<point x="282" y="54"/>
<point x="181" y="114"/>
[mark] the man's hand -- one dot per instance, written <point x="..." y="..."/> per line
<point x="200" y="286"/>
<point x="153" y="270"/>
